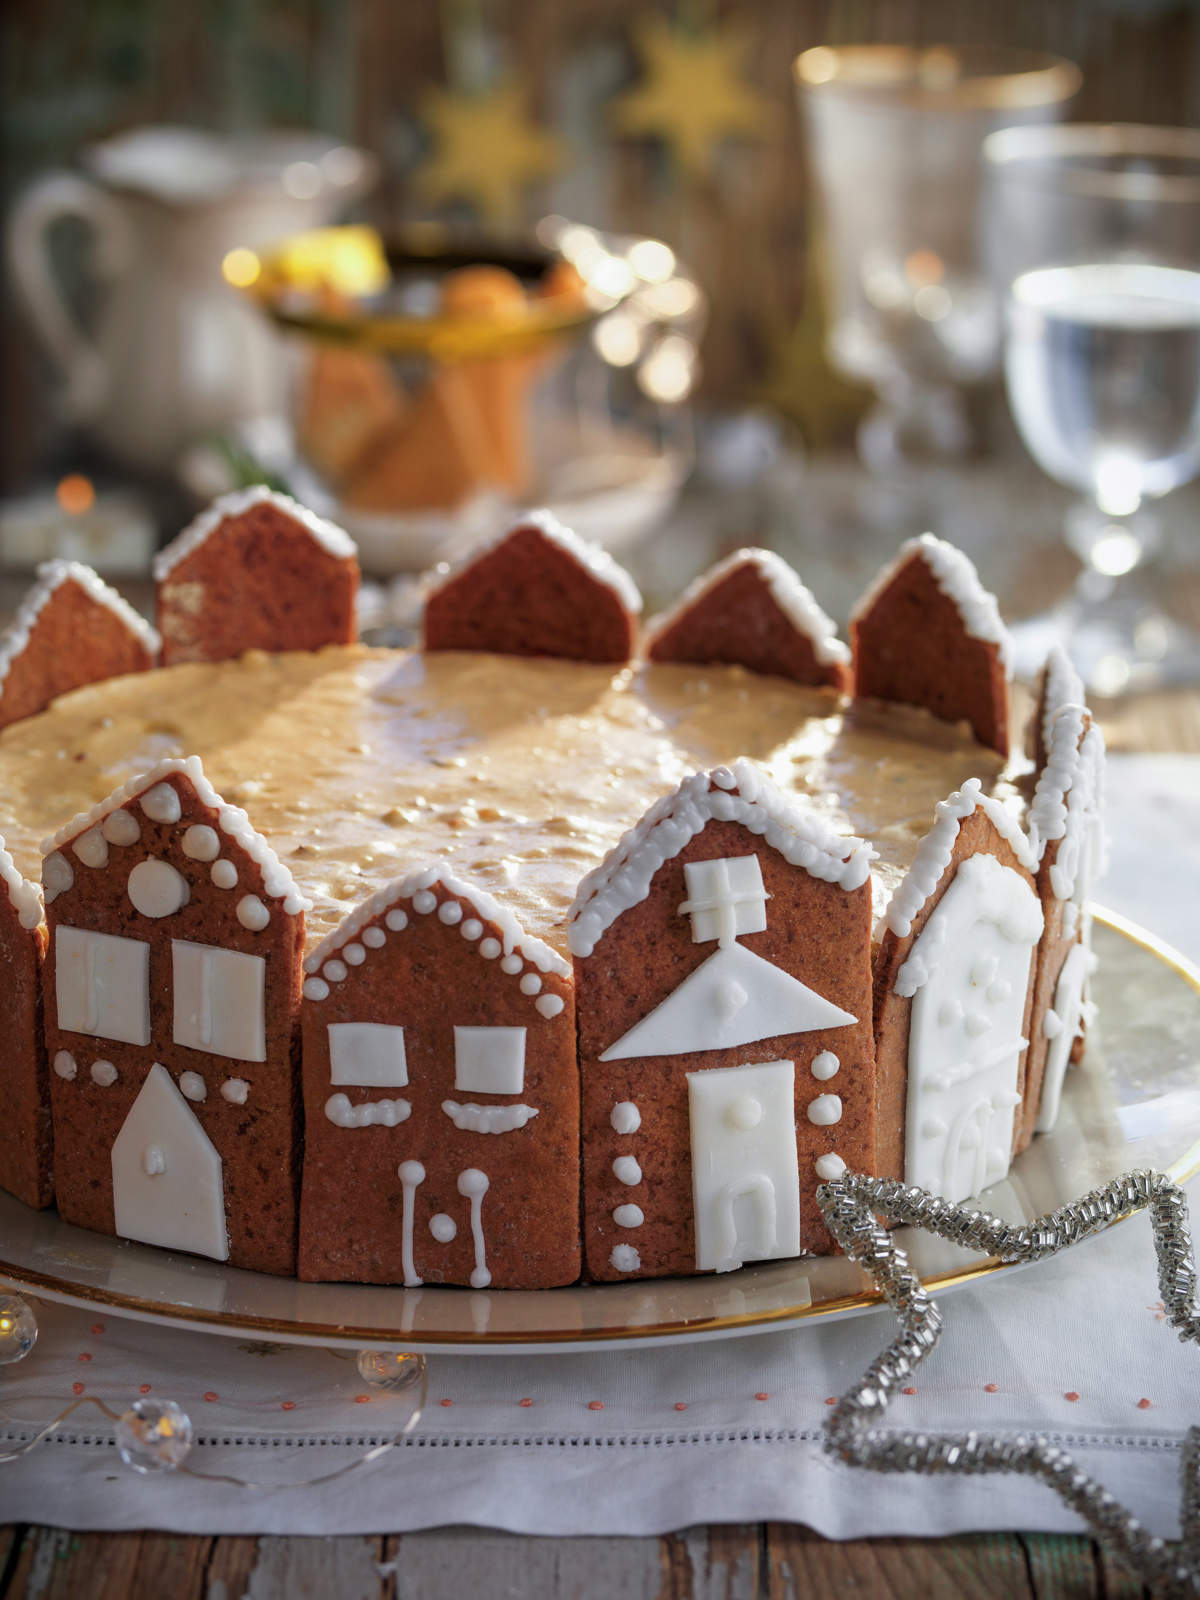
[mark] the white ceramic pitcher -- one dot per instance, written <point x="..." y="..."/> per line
<point x="176" y="353"/>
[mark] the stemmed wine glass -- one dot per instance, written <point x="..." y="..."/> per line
<point x="1095" y="232"/>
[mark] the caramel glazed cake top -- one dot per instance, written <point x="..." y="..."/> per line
<point x="516" y="774"/>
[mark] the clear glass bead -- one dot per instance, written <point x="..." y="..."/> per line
<point x="154" y="1436"/>
<point x="394" y="1371"/>
<point x="18" y="1328"/>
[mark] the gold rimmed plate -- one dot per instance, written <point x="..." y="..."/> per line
<point x="1134" y="1102"/>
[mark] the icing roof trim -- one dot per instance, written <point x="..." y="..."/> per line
<point x="51" y="575"/>
<point x="26" y="897"/>
<point x="336" y="541"/>
<point x="742" y="793"/>
<point x="793" y="598"/>
<point x="955" y="575"/>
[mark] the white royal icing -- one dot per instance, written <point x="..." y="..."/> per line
<point x="51" y="575"/>
<point x="156" y="888"/>
<point x="412" y="1176"/>
<point x="168" y="1187"/>
<point x="219" y="1000"/>
<point x="121" y="828"/>
<point x="252" y="914"/>
<point x="829" y="1166"/>
<point x="224" y="874"/>
<point x="473" y="1185"/>
<point x="443" y="1227"/>
<point x="192" y="1086"/>
<point x="627" y="1170"/>
<point x="625" y="1258"/>
<point x="1062" y="687"/>
<point x="26" y="897"/>
<point x="825" y="1110"/>
<point x="369" y="1055"/>
<point x="825" y="1066"/>
<point x="104" y="1073"/>
<point x="489" y="1060"/>
<point x="327" y="534"/>
<point x="58" y="875"/>
<point x="200" y="843"/>
<point x="745" y="1174"/>
<point x="742" y="794"/>
<point x="629" y="1216"/>
<point x="1068" y="1013"/>
<point x="235" y="1090"/>
<point x="64" y="1065"/>
<point x="102" y="985"/>
<point x="796" y="602"/>
<point x="955" y="575"/>
<point x="488" y="1119"/>
<point x="92" y="848"/>
<point x="625" y="1117"/>
<point x="372" y="1113"/>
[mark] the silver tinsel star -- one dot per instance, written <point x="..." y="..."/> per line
<point x="852" y="1205"/>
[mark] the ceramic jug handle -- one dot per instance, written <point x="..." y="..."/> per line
<point x="47" y="201"/>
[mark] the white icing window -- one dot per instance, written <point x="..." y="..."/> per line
<point x="219" y="1000"/>
<point x="367" y="1054"/>
<point x="489" y="1060"/>
<point x="725" y="898"/>
<point x="102" y="985"/>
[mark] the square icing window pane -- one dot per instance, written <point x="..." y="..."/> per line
<point x="368" y="1054"/>
<point x="725" y="896"/>
<point x="102" y="985"/>
<point x="489" y="1060"/>
<point x="219" y="1000"/>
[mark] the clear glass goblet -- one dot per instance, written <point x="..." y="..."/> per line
<point x="1094" y="233"/>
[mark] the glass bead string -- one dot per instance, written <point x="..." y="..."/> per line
<point x="852" y="1206"/>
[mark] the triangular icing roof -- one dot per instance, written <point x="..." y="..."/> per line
<point x="936" y="848"/>
<point x="51" y="575"/>
<point x="328" y="535"/>
<point x="512" y="951"/>
<point x="594" y="560"/>
<point x="955" y="575"/>
<point x="697" y="1016"/>
<point x="1070" y="786"/>
<point x="742" y="793"/>
<point x="26" y="897"/>
<point x="232" y="820"/>
<point x="793" y="598"/>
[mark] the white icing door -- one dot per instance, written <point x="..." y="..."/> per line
<point x="167" y="1182"/>
<point x="745" y="1175"/>
<point x="964" y="1039"/>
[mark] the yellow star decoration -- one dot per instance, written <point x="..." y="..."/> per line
<point x="487" y="150"/>
<point x="691" y="95"/>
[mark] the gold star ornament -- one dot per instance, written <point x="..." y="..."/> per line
<point x="691" y="95"/>
<point x="486" y="150"/>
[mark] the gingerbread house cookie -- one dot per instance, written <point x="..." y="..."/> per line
<point x="172" y="982"/>
<point x="723" y="991"/>
<point x="953" y="995"/>
<point x="751" y="610"/>
<point x="71" y="629"/>
<point x="26" y="1147"/>
<point x="537" y="590"/>
<point x="1066" y="823"/>
<point x="1058" y="685"/>
<point x="255" y="571"/>
<point x="927" y="633"/>
<point x="441" y="1096"/>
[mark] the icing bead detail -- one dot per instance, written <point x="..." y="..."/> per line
<point x="627" y="1170"/>
<point x="161" y="804"/>
<point x="530" y="983"/>
<point x="443" y="1228"/>
<point x="200" y="843"/>
<point x="354" y="954"/>
<point x="471" y="928"/>
<point x="316" y="989"/>
<point x="154" y="1163"/>
<point x="829" y="1167"/>
<point x="825" y="1110"/>
<point x="335" y="971"/>
<point x="473" y="1185"/>
<point x="511" y="964"/>
<point x="235" y="1091"/>
<point x="825" y="1066"/>
<point x="64" y="1065"/>
<point x="488" y="1119"/>
<point x="92" y="848"/>
<point x="625" y="1117"/>
<point x="745" y="1113"/>
<point x="121" y="828"/>
<point x="252" y="914"/>
<point x="193" y="1086"/>
<point x="156" y="888"/>
<point x="374" y="938"/>
<point x="57" y="875"/>
<point x="424" y="901"/>
<point x="490" y="949"/>
<point x="549" y="1004"/>
<point x="629" y="1216"/>
<point x="104" y="1073"/>
<point x="450" y="912"/>
<point x="385" y="1113"/>
<point x="397" y="920"/>
<point x="625" y="1258"/>
<point x="223" y="874"/>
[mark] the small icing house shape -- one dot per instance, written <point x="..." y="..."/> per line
<point x="953" y="990"/>
<point x="1067" y="826"/>
<point x="927" y="633"/>
<point x="441" y="1096"/>
<point x="26" y="1156"/>
<point x="751" y="610"/>
<point x="255" y="571"/>
<point x="537" y="590"/>
<point x="172" y="984"/>
<point x="72" y="629"/>
<point x="723" y="990"/>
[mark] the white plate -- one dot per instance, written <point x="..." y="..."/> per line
<point x="1133" y="1103"/>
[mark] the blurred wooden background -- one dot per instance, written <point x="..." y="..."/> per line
<point x="362" y="69"/>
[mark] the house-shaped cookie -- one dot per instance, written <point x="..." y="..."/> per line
<point x="1058" y="685"/>
<point x="927" y="633"/>
<point x="172" y="981"/>
<point x="953" y="994"/>
<point x="723" y="991"/>
<point x="255" y="571"/>
<point x="441" y="1096"/>
<point x="1066" y="822"/>
<point x="26" y="1155"/>
<point x="751" y="610"/>
<point x="537" y="590"/>
<point x="71" y="629"/>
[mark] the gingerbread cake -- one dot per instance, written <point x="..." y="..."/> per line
<point x="520" y="956"/>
